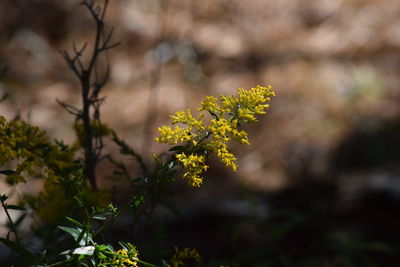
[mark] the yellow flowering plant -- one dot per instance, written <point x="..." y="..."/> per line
<point x="70" y="191"/>
<point x="184" y="256"/>
<point x="196" y="138"/>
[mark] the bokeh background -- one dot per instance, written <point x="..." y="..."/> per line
<point x="320" y="183"/>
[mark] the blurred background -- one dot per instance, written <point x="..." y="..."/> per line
<point x="320" y="183"/>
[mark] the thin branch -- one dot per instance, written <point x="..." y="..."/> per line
<point x="71" y="109"/>
<point x="91" y="85"/>
<point x="108" y="47"/>
<point x="71" y="63"/>
<point x="104" y="10"/>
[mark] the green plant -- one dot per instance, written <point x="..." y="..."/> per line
<point x="70" y="188"/>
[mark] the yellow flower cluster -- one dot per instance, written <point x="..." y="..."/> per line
<point x="34" y="154"/>
<point x="227" y="113"/>
<point x="248" y="103"/>
<point x="26" y="149"/>
<point x="174" y="136"/>
<point x="188" y="119"/>
<point x="126" y="259"/>
<point x="183" y="255"/>
<point x="194" y="166"/>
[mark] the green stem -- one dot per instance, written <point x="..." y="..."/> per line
<point x="12" y="225"/>
<point x="59" y="263"/>
<point x="103" y="228"/>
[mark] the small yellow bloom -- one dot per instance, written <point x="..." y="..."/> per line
<point x="173" y="136"/>
<point x="188" y="119"/>
<point x="252" y="102"/>
<point x="126" y="259"/>
<point x="183" y="255"/>
<point x="210" y="104"/>
<point x="226" y="112"/>
<point x="194" y="165"/>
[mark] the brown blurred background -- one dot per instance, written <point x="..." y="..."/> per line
<point x="323" y="164"/>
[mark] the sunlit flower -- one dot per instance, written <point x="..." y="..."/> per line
<point x="187" y="118"/>
<point x="173" y="136"/>
<point x="214" y="135"/>
<point x="126" y="258"/>
<point x="194" y="166"/>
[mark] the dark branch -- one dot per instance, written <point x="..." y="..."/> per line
<point x="71" y="109"/>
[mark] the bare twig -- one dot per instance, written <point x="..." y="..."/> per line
<point x="71" y="109"/>
<point x="91" y="86"/>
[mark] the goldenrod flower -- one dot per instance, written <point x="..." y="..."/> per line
<point x="126" y="258"/>
<point x="173" y="136"/>
<point x="183" y="255"/>
<point x="210" y="104"/>
<point x="187" y="118"/>
<point x="252" y="102"/>
<point x="194" y="166"/>
<point x="221" y="149"/>
<point x="224" y="126"/>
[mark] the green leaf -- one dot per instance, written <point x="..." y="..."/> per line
<point x="88" y="250"/>
<point x="72" y="231"/>
<point x="75" y="222"/>
<point x="140" y="179"/>
<point x="77" y="234"/>
<point x="80" y="239"/>
<point x="215" y="116"/>
<point x="138" y="200"/>
<point x="7" y="172"/>
<point x="17" y="248"/>
<point x="177" y="148"/>
<point x="103" y="247"/>
<point x="15" y="207"/>
<point x="101" y="256"/>
<point x="99" y="217"/>
<point x="123" y="245"/>
<point x="171" y="165"/>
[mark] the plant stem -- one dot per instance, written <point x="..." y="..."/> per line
<point x="12" y="225"/>
<point x="103" y="228"/>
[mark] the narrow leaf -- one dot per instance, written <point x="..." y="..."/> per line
<point x="177" y="148"/>
<point x="15" y="207"/>
<point x="213" y="115"/>
<point x="75" y="222"/>
<point x="88" y="250"/>
<point x="7" y="172"/>
<point x="99" y="217"/>
<point x="77" y="234"/>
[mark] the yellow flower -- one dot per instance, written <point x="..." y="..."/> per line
<point x="215" y="136"/>
<point x="252" y="102"/>
<point x="126" y="259"/>
<point x="183" y="255"/>
<point x="194" y="165"/>
<point x="173" y="136"/>
<point x="221" y="149"/>
<point x="210" y="104"/>
<point x="187" y="118"/>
